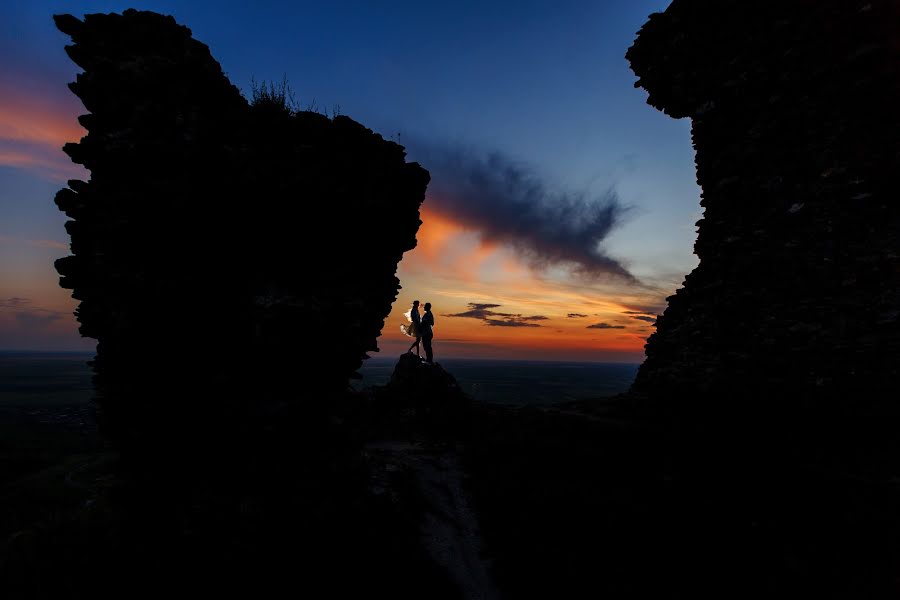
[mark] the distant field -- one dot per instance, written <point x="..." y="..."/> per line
<point x="49" y="446"/>
<point x="521" y="383"/>
<point x="45" y="411"/>
<point x="54" y="389"/>
<point x="38" y="377"/>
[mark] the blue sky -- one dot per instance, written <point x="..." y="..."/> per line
<point x="544" y="83"/>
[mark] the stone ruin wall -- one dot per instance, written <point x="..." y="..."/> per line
<point x="206" y="245"/>
<point x="796" y="127"/>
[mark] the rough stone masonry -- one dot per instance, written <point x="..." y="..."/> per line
<point x="795" y="123"/>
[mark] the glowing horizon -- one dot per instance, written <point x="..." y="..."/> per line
<point x="453" y="267"/>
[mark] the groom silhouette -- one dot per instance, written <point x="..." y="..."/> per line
<point x="427" y="332"/>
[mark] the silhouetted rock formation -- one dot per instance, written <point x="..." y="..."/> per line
<point x="794" y="120"/>
<point x="429" y="397"/>
<point x="205" y="246"/>
<point x="153" y="255"/>
<point x="427" y="382"/>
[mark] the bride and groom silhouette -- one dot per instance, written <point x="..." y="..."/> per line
<point x="421" y="328"/>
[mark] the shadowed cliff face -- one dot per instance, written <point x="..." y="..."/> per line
<point x="794" y="120"/>
<point x="223" y="253"/>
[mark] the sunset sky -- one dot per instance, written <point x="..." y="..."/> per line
<point x="561" y="211"/>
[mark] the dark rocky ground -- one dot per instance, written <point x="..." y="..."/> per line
<point x="594" y="499"/>
<point x="416" y="492"/>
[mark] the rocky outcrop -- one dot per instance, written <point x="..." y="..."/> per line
<point x="205" y="245"/>
<point x="794" y="118"/>
<point x="422" y="398"/>
<point x="415" y="378"/>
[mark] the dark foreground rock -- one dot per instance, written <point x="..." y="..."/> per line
<point x="201" y="246"/>
<point x="793" y="109"/>
<point x="509" y="503"/>
<point x="424" y="386"/>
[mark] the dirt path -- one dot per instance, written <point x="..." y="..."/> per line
<point x="90" y="462"/>
<point x="449" y="530"/>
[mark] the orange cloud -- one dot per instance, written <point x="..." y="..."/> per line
<point x="452" y="267"/>
<point x="434" y="235"/>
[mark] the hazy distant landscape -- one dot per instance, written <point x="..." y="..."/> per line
<point x="48" y="388"/>
<point x="520" y="382"/>
<point x="46" y="416"/>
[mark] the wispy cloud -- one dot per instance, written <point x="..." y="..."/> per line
<point x="484" y="313"/>
<point x="27" y="314"/>
<point x="476" y="306"/>
<point x="509" y="202"/>
<point x="645" y="309"/>
<point x="14" y="303"/>
<point x="576" y="316"/>
<point x="605" y="326"/>
<point x="645" y="318"/>
<point x="37" y="317"/>
<point x="52" y="244"/>
<point x="509" y="323"/>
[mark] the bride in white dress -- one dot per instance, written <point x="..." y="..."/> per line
<point x="411" y="329"/>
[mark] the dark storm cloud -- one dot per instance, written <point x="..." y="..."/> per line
<point x="576" y="316"/>
<point x="509" y="202"/>
<point x="605" y="326"/>
<point x="483" y="312"/>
